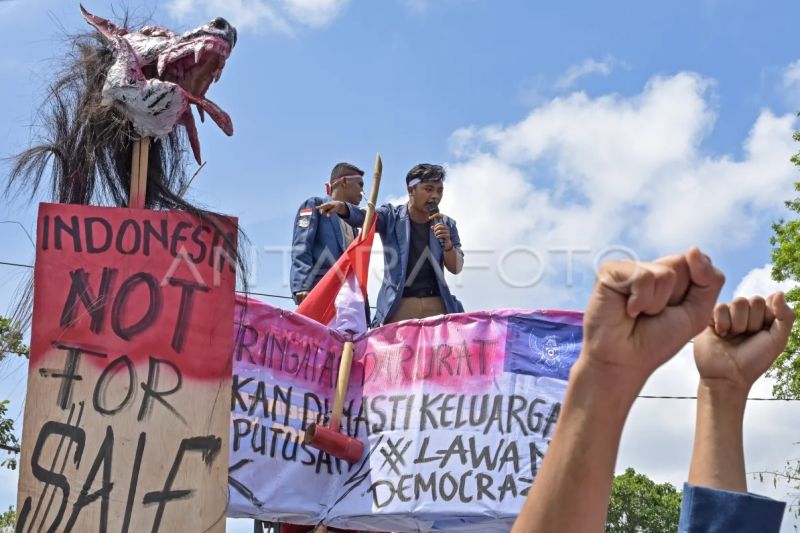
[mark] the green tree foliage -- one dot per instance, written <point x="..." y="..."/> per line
<point x="8" y="521"/>
<point x="11" y="339"/>
<point x="10" y="344"/>
<point x="638" y="505"/>
<point x="788" y="476"/>
<point x="786" y="368"/>
<point x="786" y="267"/>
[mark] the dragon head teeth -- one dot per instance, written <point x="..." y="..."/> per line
<point x="162" y="64"/>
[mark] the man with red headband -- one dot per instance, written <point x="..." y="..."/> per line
<point x="318" y="241"/>
<point x="418" y="244"/>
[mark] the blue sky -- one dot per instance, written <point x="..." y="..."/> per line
<point x="635" y="126"/>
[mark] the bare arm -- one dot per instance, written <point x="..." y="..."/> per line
<point x="638" y="317"/>
<point x="572" y="489"/>
<point x="731" y="354"/>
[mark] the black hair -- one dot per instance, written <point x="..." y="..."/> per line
<point x="344" y="169"/>
<point x="426" y="172"/>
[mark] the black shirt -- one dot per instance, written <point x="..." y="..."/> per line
<point x="420" y="274"/>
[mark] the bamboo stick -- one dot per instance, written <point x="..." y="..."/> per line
<point x="139" y="161"/>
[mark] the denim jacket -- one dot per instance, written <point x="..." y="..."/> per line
<point x="394" y="227"/>
<point x="317" y="242"/>
<point x="706" y="510"/>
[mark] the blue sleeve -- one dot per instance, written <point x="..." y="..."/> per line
<point x="304" y="233"/>
<point x="705" y="510"/>
<point x="356" y="215"/>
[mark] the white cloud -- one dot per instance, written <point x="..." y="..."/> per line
<point x="790" y="83"/>
<point x="591" y="173"/>
<point x="586" y="67"/>
<point x="659" y="432"/>
<point x="759" y="282"/>
<point x="314" y="13"/>
<point x="281" y="16"/>
<point x="791" y="74"/>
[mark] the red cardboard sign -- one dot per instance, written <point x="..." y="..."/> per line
<point x="126" y="422"/>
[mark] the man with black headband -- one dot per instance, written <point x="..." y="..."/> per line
<point x="417" y="242"/>
<point x="318" y="241"/>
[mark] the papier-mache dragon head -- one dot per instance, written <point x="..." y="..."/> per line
<point x="157" y="74"/>
<point x="117" y="85"/>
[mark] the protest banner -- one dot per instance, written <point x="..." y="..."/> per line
<point x="455" y="411"/>
<point x="126" y="415"/>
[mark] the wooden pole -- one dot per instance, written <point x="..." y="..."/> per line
<point x="139" y="161"/>
<point x="342" y="383"/>
<point x="343" y="380"/>
<point x="373" y="194"/>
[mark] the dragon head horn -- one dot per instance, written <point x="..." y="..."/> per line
<point x="110" y="30"/>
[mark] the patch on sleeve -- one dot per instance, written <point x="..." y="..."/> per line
<point x="304" y="217"/>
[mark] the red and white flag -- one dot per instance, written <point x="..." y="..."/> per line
<point x="339" y="298"/>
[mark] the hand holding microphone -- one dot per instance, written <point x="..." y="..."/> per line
<point x="440" y="229"/>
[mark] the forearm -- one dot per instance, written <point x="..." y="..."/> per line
<point x="453" y="260"/>
<point x="718" y="455"/>
<point x="579" y="463"/>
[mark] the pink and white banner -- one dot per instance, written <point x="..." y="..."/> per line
<point x="456" y="413"/>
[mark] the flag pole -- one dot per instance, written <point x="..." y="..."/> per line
<point x="329" y="439"/>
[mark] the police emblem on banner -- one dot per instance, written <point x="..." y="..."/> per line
<point x="546" y="349"/>
<point x="542" y="348"/>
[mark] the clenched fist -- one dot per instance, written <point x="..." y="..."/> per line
<point x="640" y="314"/>
<point x="743" y="340"/>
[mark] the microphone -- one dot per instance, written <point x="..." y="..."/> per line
<point x="436" y="217"/>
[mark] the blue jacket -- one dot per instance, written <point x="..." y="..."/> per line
<point x="317" y="242"/>
<point x="705" y="510"/>
<point x="394" y="227"/>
